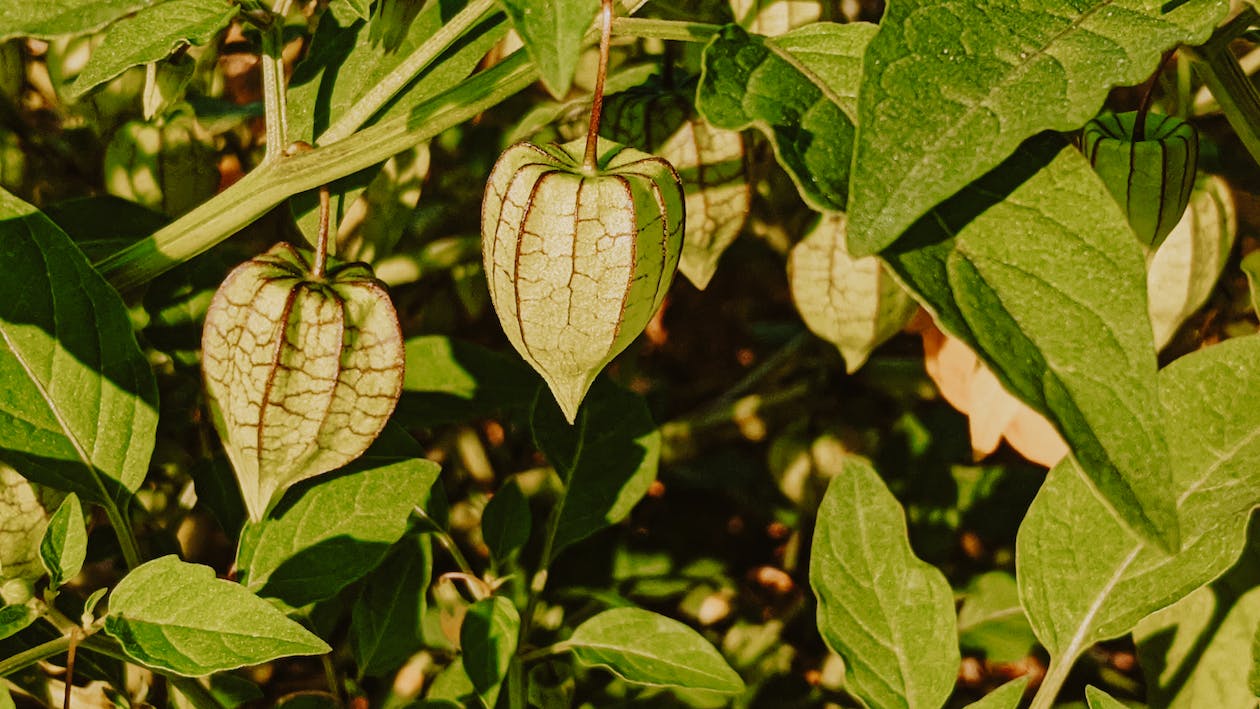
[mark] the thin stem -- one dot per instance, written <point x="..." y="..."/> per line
<point x="539" y="653"/>
<point x="1144" y="106"/>
<point x="518" y="688"/>
<point x="321" y="244"/>
<point x="26" y="658"/>
<point x="1056" y="675"/>
<point x="665" y="29"/>
<point x="76" y="636"/>
<point x="446" y="540"/>
<point x="396" y="80"/>
<point x="272" y="62"/>
<point x="272" y="182"/>
<point x="597" y="98"/>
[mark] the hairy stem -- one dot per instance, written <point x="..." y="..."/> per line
<point x="665" y="29"/>
<point x="26" y="658"/>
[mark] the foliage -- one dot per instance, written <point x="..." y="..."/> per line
<point x="238" y="469"/>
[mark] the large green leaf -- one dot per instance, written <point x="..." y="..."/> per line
<point x="992" y="621"/>
<point x="1084" y="576"/>
<point x="346" y="62"/>
<point x="648" y="648"/>
<point x="448" y="380"/>
<point x="176" y="616"/>
<point x="1197" y="652"/>
<point x="40" y="18"/>
<point x="386" y="625"/>
<point x="950" y="89"/>
<point x="78" y="409"/>
<point x="1025" y="266"/>
<point x="363" y="509"/>
<point x="488" y="639"/>
<point x="1099" y="699"/>
<point x="552" y="32"/>
<point x="799" y="90"/>
<point x="886" y="612"/>
<point x="152" y="34"/>
<point x="607" y="459"/>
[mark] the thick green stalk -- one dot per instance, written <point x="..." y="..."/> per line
<point x="271" y="183"/>
<point x="1229" y="84"/>
<point x="392" y="83"/>
<point x="272" y="62"/>
<point x="1056" y="675"/>
<point x="665" y="29"/>
<point x="43" y="651"/>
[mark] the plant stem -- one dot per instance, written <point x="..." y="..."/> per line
<point x="597" y="98"/>
<point x="272" y="182"/>
<point x="518" y="688"/>
<point x="1056" y="675"/>
<point x="389" y="86"/>
<point x="446" y="540"/>
<point x="43" y="651"/>
<point x="321" y="244"/>
<point x="665" y="29"/>
<point x="126" y="535"/>
<point x="1234" y="92"/>
<point x="272" y="62"/>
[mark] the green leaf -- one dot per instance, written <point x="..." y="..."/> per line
<point x="363" y="510"/>
<point x="1251" y="266"/>
<point x="552" y="33"/>
<point x="506" y="521"/>
<point x="1076" y="599"/>
<point x="888" y="614"/>
<point x="1099" y="699"/>
<point x="387" y="618"/>
<point x="347" y="60"/>
<point x="175" y="616"/>
<point x="487" y="638"/>
<point x="78" y="410"/>
<point x="607" y="460"/>
<point x="451" y="689"/>
<point x="642" y="647"/>
<point x="361" y="9"/>
<point x="151" y="35"/>
<point x="855" y="304"/>
<point x="448" y="380"/>
<point x="951" y="89"/>
<point x="64" y="546"/>
<point x="14" y="619"/>
<point x="799" y="90"/>
<point x="1197" y="652"/>
<point x="24" y="511"/>
<point x="992" y="621"/>
<point x="6" y="699"/>
<point x="62" y="17"/>
<point x="1026" y="265"/>
<point x="1253" y="679"/>
<point x="1005" y="697"/>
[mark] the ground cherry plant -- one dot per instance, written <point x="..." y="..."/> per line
<point x="629" y="353"/>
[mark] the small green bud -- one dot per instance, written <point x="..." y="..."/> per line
<point x="578" y="260"/>
<point x="301" y="372"/>
<point x="1150" y="178"/>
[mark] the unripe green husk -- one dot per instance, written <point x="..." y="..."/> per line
<point x="709" y="160"/>
<point x="301" y="372"/>
<point x="1151" y="178"/>
<point x="578" y="261"/>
